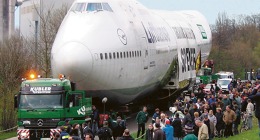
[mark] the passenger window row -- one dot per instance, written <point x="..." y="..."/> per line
<point x="120" y="55"/>
<point x="183" y="33"/>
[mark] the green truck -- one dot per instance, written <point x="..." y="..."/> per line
<point x="206" y="74"/>
<point x="43" y="105"/>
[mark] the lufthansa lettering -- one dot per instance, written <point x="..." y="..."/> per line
<point x="188" y="59"/>
<point x="40" y="89"/>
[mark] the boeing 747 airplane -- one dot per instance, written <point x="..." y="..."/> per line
<point x="121" y="50"/>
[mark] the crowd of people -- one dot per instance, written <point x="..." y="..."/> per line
<point x="204" y="116"/>
<point x="108" y="130"/>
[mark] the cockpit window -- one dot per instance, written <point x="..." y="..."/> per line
<point x="90" y="7"/>
<point x="106" y="7"/>
<point x="79" y="7"/>
<point x="94" y="7"/>
<point x="99" y="7"/>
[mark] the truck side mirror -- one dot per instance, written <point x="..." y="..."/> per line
<point x="15" y="101"/>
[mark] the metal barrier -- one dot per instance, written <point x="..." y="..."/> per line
<point x="140" y="137"/>
<point x="8" y="129"/>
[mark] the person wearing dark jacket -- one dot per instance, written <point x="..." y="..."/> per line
<point x="176" y="124"/>
<point x="255" y="96"/>
<point x="158" y="133"/>
<point x="64" y="135"/>
<point x="141" y="119"/>
<point x="75" y="131"/>
<point x="126" y="135"/>
<point x="244" y="104"/>
<point x="118" y="128"/>
<point x="193" y="110"/>
<point x="207" y="122"/>
<point x="220" y="123"/>
<point x="95" y="119"/>
<point x="105" y="133"/>
<point x="156" y="115"/>
<point x="67" y="126"/>
<point x="149" y="132"/>
<point x="87" y="130"/>
<point x="187" y="118"/>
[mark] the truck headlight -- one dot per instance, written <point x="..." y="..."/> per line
<point x="23" y="134"/>
<point x="26" y="122"/>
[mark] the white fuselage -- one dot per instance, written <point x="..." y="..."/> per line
<point x="124" y="52"/>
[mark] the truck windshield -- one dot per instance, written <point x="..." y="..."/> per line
<point x="31" y="101"/>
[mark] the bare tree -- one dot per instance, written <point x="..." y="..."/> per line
<point x="50" y="21"/>
<point x="236" y="43"/>
<point x="14" y="63"/>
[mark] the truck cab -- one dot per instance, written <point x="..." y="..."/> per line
<point x="44" y="104"/>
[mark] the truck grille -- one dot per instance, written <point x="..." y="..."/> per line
<point x="41" y="123"/>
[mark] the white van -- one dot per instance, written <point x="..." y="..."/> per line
<point x="224" y="83"/>
<point x="225" y="75"/>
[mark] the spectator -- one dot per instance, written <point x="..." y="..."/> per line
<point x="189" y="133"/>
<point x="187" y="118"/>
<point x="157" y="121"/>
<point x="95" y="119"/>
<point x="155" y="115"/>
<point x="163" y="120"/>
<point x="196" y="128"/>
<point x="216" y="88"/>
<point x="75" y="132"/>
<point x="176" y="124"/>
<point x="64" y="134"/>
<point x="193" y="110"/>
<point x="213" y="122"/>
<point x="126" y="135"/>
<point x="238" y="100"/>
<point x="238" y="119"/>
<point x="203" y="130"/>
<point x="193" y="98"/>
<point x="229" y="117"/>
<point x="105" y="133"/>
<point x="220" y="123"/>
<point x="67" y="126"/>
<point x="205" y="113"/>
<point x="158" y="133"/>
<point x="212" y="89"/>
<point x="225" y="102"/>
<point x="168" y="130"/>
<point x="244" y="104"/>
<point x="207" y="122"/>
<point x="212" y="99"/>
<point x="87" y="129"/>
<point x="149" y="132"/>
<point x="141" y="119"/>
<point x="89" y="136"/>
<point x="249" y="112"/>
<point x="118" y="128"/>
<point x="56" y="136"/>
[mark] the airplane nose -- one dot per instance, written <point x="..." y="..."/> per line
<point x="74" y="60"/>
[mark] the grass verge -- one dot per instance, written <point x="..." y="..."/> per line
<point x="7" y="135"/>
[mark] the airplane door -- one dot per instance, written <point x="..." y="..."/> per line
<point x="146" y="52"/>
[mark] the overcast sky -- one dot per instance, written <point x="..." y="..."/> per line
<point x="209" y="8"/>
